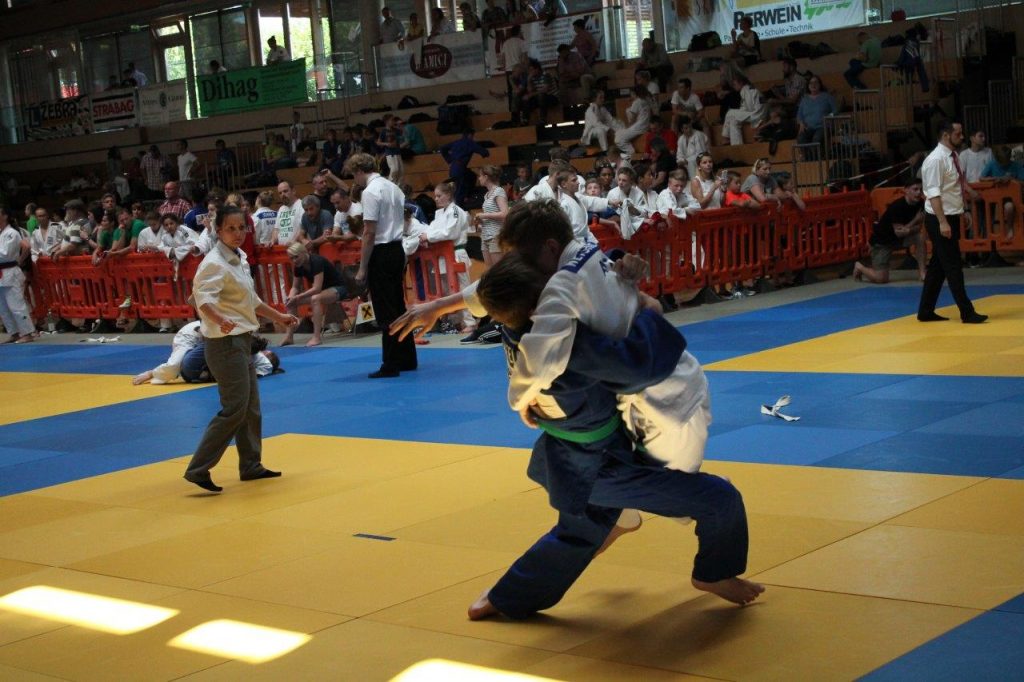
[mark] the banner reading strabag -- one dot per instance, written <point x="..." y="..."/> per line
<point x="58" y="118"/>
<point x="253" y="88"/>
<point x="114" y="109"/>
<point x="542" y="40"/>
<point x="771" y="18"/>
<point x="448" y="58"/>
<point x="162" y="104"/>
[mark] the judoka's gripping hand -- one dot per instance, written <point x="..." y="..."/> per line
<point x="631" y="268"/>
<point x="528" y="416"/>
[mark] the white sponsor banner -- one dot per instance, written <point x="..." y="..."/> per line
<point x="542" y="40"/>
<point x="162" y="104"/>
<point x="449" y="58"/>
<point x="114" y="109"/>
<point x="772" y="19"/>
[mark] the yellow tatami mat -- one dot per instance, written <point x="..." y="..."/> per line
<point x="377" y="557"/>
<point x="31" y="395"/>
<point x="906" y="346"/>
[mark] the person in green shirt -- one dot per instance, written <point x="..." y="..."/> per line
<point x="869" y="57"/>
<point x="30" y="218"/>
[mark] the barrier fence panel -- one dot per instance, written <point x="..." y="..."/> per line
<point x="272" y="273"/>
<point x="838" y="227"/>
<point x="989" y="227"/>
<point x="160" y="287"/>
<point x="433" y="272"/>
<point x="1002" y="116"/>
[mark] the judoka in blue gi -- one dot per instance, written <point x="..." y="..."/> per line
<point x="587" y="463"/>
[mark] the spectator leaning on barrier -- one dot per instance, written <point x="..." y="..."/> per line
<point x="470" y="21"/>
<point x="344" y="210"/>
<point x="415" y="30"/>
<point x="902" y="225"/>
<point x="289" y="215"/>
<point x="439" y="23"/>
<point x="974" y="159"/>
<point x="391" y="29"/>
<point x="276" y="54"/>
<point x="492" y="16"/>
<point x="77" y="231"/>
<point x="316" y="224"/>
<point x="265" y="219"/>
<point x="47" y="236"/>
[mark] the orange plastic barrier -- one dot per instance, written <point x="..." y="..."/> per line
<point x="837" y="226"/>
<point x="79" y="289"/>
<point x="432" y="272"/>
<point x="989" y="228"/>
<point x="159" y="287"/>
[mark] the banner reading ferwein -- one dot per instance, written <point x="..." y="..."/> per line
<point x="448" y="58"/>
<point x="253" y="88"/>
<point x="114" y="109"/>
<point x="771" y="18"/>
<point x="58" y="118"/>
<point x="162" y="104"/>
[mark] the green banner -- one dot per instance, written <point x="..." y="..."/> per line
<point x="259" y="86"/>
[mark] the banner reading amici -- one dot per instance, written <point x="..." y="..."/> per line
<point x="447" y="58"/>
<point x="772" y="18"/>
<point x="252" y="88"/>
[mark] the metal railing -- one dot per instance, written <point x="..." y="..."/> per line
<point x="1001" y="109"/>
<point x="976" y="117"/>
<point x="1018" y="86"/>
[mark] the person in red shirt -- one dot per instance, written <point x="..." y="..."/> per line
<point x="734" y="196"/>
<point x="658" y="129"/>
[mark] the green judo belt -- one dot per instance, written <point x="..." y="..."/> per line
<point x="592" y="436"/>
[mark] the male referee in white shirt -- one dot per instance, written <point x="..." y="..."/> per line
<point x="382" y="265"/>
<point x="945" y="189"/>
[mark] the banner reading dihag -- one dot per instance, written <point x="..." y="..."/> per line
<point x="58" y="118"/>
<point x="448" y="58"/>
<point x="772" y="18"/>
<point x="253" y="88"/>
<point x="162" y="104"/>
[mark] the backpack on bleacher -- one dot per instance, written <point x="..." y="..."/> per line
<point x="452" y="118"/>
<point x="704" y="41"/>
<point x="408" y="102"/>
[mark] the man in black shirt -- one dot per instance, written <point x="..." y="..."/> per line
<point x="326" y="285"/>
<point x="900" y="226"/>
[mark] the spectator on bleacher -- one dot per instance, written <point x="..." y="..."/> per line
<point x="415" y="31"/>
<point x="791" y="194"/>
<point x="775" y="128"/>
<point x="154" y="166"/>
<point x="47" y="236"/>
<point x="691" y="144"/>
<point x="598" y="122"/>
<point x="762" y="185"/>
<point x="276" y="54"/>
<point x="265" y="219"/>
<point x="635" y="197"/>
<point x="137" y="75"/>
<point x="605" y="176"/>
<point x="391" y="29"/>
<point x="227" y="162"/>
<point x="734" y="194"/>
<point x="514" y="55"/>
<point x="746" y="44"/>
<point x="752" y="109"/>
<point x="676" y="199"/>
<point x="330" y="151"/>
<point x="315" y="281"/>
<point x="149" y="237"/>
<point x="815" y="105"/>
<point x="411" y="138"/>
<point x="654" y="59"/>
<point x="103" y="237"/>
<point x="173" y="201"/>
<point x="115" y="164"/>
<point x="663" y="162"/>
<point x="685" y="102"/>
<point x="77" y="231"/>
<point x="492" y="213"/>
<point x="657" y="129"/>
<point x="583" y="41"/>
<point x="316" y="224"/>
<point x="470" y="21"/>
<point x="108" y="202"/>
<point x="322" y="190"/>
<point x="289" y="215"/>
<point x="186" y="166"/>
<point x="390" y="144"/>
<point x="216" y="67"/>
<point x="439" y="23"/>
<point x="642" y="78"/>
<point x="706" y="188"/>
<point x="1003" y="168"/>
<point x="14" y="311"/>
<point x="298" y="134"/>
<point x="523" y="182"/>
<point x="367" y="141"/>
<point x="540" y="92"/>
<point x="344" y="210"/>
<point x="638" y="120"/>
<point x="457" y="155"/>
<point x="451" y="223"/>
<point x="492" y="16"/>
<point x="869" y="56"/>
<point x="571" y="70"/>
<point x="900" y="226"/>
<point x="974" y="159"/>
<point x="274" y="153"/>
<point x="568" y="186"/>
<point x="728" y="97"/>
<point x="792" y="88"/>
